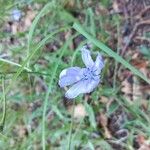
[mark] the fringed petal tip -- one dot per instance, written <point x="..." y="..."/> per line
<point x="86" y="57"/>
<point x="99" y="63"/>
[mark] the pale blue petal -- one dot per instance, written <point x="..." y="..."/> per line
<point x="68" y="80"/>
<point x="86" y="57"/>
<point x="83" y="86"/>
<point x="70" y="71"/>
<point x="91" y="85"/>
<point x="16" y="14"/>
<point x="99" y="64"/>
<point x="76" y="89"/>
<point x="70" y="76"/>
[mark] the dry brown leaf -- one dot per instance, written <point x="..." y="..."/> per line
<point x="126" y="87"/>
<point x="139" y="63"/>
<point x="28" y="19"/>
<point x="104" y="99"/>
<point x="109" y="104"/>
<point x="143" y="142"/>
<point x="21" y="131"/>
<point x="145" y="71"/>
<point x="136" y="89"/>
<point x="103" y="121"/>
<point x="101" y="10"/>
<point x="79" y="111"/>
<point x="70" y="4"/>
<point x="140" y="139"/>
<point x="115" y="6"/>
<point x="14" y="27"/>
<point x="144" y="147"/>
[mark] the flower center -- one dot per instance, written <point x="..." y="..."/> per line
<point x="89" y="73"/>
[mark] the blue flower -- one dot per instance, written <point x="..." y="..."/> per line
<point x="16" y="15"/>
<point x="83" y="80"/>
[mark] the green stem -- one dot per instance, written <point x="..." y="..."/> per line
<point x="110" y="52"/>
<point x="116" y="63"/>
<point x="71" y="127"/>
<point x="26" y="72"/>
<point x="78" y="128"/>
<point x="4" y="105"/>
<point x="14" y="64"/>
<point x="49" y="91"/>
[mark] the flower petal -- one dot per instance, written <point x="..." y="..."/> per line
<point x="70" y="71"/>
<point x="86" y="57"/>
<point x="70" y="76"/>
<point x="83" y="86"/>
<point x="99" y="64"/>
<point x="92" y="84"/>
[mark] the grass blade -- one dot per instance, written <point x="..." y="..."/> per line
<point x="111" y="53"/>
<point x="33" y="26"/>
<point x="13" y="63"/>
<point x="2" y="123"/>
<point x="49" y="91"/>
<point x="91" y="115"/>
<point x="19" y="71"/>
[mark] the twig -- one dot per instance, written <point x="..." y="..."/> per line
<point x="142" y="39"/>
<point x="145" y="22"/>
<point x="44" y="86"/>
<point x="143" y="12"/>
<point x="116" y="63"/>
<point x="142" y="22"/>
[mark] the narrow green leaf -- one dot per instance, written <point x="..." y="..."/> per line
<point x="19" y="71"/>
<point x="58" y="112"/>
<point x="35" y="22"/>
<point x="13" y="63"/>
<point x="111" y="53"/>
<point x="63" y="49"/>
<point x="90" y="145"/>
<point x="91" y="115"/>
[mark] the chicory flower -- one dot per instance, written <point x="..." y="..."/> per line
<point x="83" y="80"/>
<point x="16" y="15"/>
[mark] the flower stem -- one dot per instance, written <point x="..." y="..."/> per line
<point x="25" y="72"/>
<point x="2" y="123"/>
<point x="71" y="127"/>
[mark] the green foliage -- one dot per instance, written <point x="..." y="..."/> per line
<point x="36" y="117"/>
<point x="111" y="53"/>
